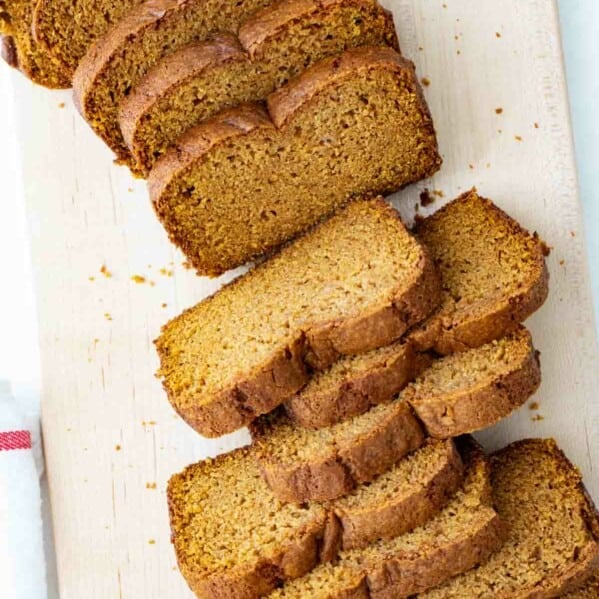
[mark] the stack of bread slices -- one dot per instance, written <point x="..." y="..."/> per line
<point x="361" y="354"/>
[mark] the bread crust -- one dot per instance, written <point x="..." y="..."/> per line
<point x="283" y="104"/>
<point x="357" y="393"/>
<point x="360" y="527"/>
<point x="447" y="332"/>
<point x="345" y="466"/>
<point x="466" y="411"/>
<point x="317" y="347"/>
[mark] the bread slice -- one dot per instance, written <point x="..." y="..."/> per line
<point x="354" y="384"/>
<point x="475" y="389"/>
<point x="354" y="283"/>
<point x="466" y="392"/>
<point x="20" y="50"/>
<point x="245" y="181"/>
<point x="267" y="542"/>
<point x="589" y="590"/>
<point x="318" y="465"/>
<point x="553" y="540"/>
<point x="68" y="36"/>
<point x="494" y="274"/>
<point x="117" y="60"/>
<point x="232" y="537"/>
<point x="274" y="45"/>
<point x="461" y="536"/>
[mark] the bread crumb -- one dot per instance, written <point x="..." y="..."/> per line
<point x="420" y="48"/>
<point x="536" y="125"/>
<point x="537" y="418"/>
<point x="148" y="423"/>
<point x="130" y="189"/>
<point x="444" y="5"/>
<point x="163" y="305"/>
<point x="471" y="166"/>
<point x="499" y="110"/>
<point x="425" y="198"/>
<point x="497" y="34"/>
<point x="562" y="262"/>
<point x="117" y="448"/>
<point x="546" y="249"/>
<point x="518" y="137"/>
<point x="152" y="542"/>
<point x="534" y="405"/>
<point x="61" y="105"/>
<point x="107" y="316"/>
<point x="150" y="485"/>
<point x="456" y="37"/>
<point x="439" y="193"/>
<point x="572" y="234"/>
<point x="186" y="265"/>
<point x="425" y="81"/>
<point x="105" y="271"/>
<point x="138" y="279"/>
<point x="458" y="52"/>
<point x="416" y="207"/>
<point x="91" y="278"/>
<point x="499" y="131"/>
<point x="166" y="272"/>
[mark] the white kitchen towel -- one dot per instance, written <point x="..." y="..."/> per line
<point x="22" y="562"/>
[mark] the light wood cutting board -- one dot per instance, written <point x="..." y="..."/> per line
<point x="111" y="438"/>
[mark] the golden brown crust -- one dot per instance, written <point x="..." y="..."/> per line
<point x="357" y="393"/>
<point x="284" y="102"/>
<point x="447" y="332"/>
<point x="333" y="474"/>
<point x="469" y="410"/>
<point x="174" y="70"/>
<point x="362" y="526"/>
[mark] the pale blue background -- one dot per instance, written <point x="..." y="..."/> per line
<point x="580" y="35"/>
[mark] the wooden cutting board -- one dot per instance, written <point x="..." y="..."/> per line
<point x="494" y="79"/>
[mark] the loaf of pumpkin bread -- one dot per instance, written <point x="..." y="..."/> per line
<point x="268" y="542"/>
<point x="354" y="283"/>
<point x="465" y="392"/>
<point x="494" y="274"/>
<point x="553" y="529"/>
<point x="19" y="48"/>
<point x="245" y="181"/>
<point x="274" y="45"/>
<point x="460" y="537"/>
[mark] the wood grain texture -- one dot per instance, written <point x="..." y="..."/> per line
<point x="111" y="529"/>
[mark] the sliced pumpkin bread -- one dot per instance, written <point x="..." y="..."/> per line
<point x="318" y="465"/>
<point x="553" y="539"/>
<point x="274" y="45"/>
<point x="494" y="274"/>
<point x="465" y="392"/>
<point x="148" y="32"/>
<point x="354" y="283"/>
<point x="475" y="389"/>
<point x="267" y="542"/>
<point x="589" y="590"/>
<point x="20" y="50"/>
<point x="461" y="536"/>
<point x="354" y="384"/>
<point x="67" y="29"/>
<point x="245" y="181"/>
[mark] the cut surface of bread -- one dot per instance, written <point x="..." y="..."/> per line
<point x="475" y="389"/>
<point x="552" y="543"/>
<point x="318" y="465"/>
<point x="20" y="50"/>
<point x="232" y="537"/>
<point x="117" y="61"/>
<point x="493" y="270"/>
<point x="589" y="590"/>
<point x="274" y="45"/>
<point x="355" y="384"/>
<point x="67" y="29"/>
<point x="354" y="283"/>
<point x="461" y="536"/>
<point x="245" y="181"/>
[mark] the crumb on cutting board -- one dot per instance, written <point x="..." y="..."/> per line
<point x="534" y="405"/>
<point x="107" y="316"/>
<point x="138" y="279"/>
<point x="518" y="137"/>
<point x="105" y="271"/>
<point x="499" y="110"/>
<point x="425" y="81"/>
<point x="151" y="486"/>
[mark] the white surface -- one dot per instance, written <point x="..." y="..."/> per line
<point x="67" y="172"/>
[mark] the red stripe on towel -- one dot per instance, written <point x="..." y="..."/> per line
<point x="15" y="440"/>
